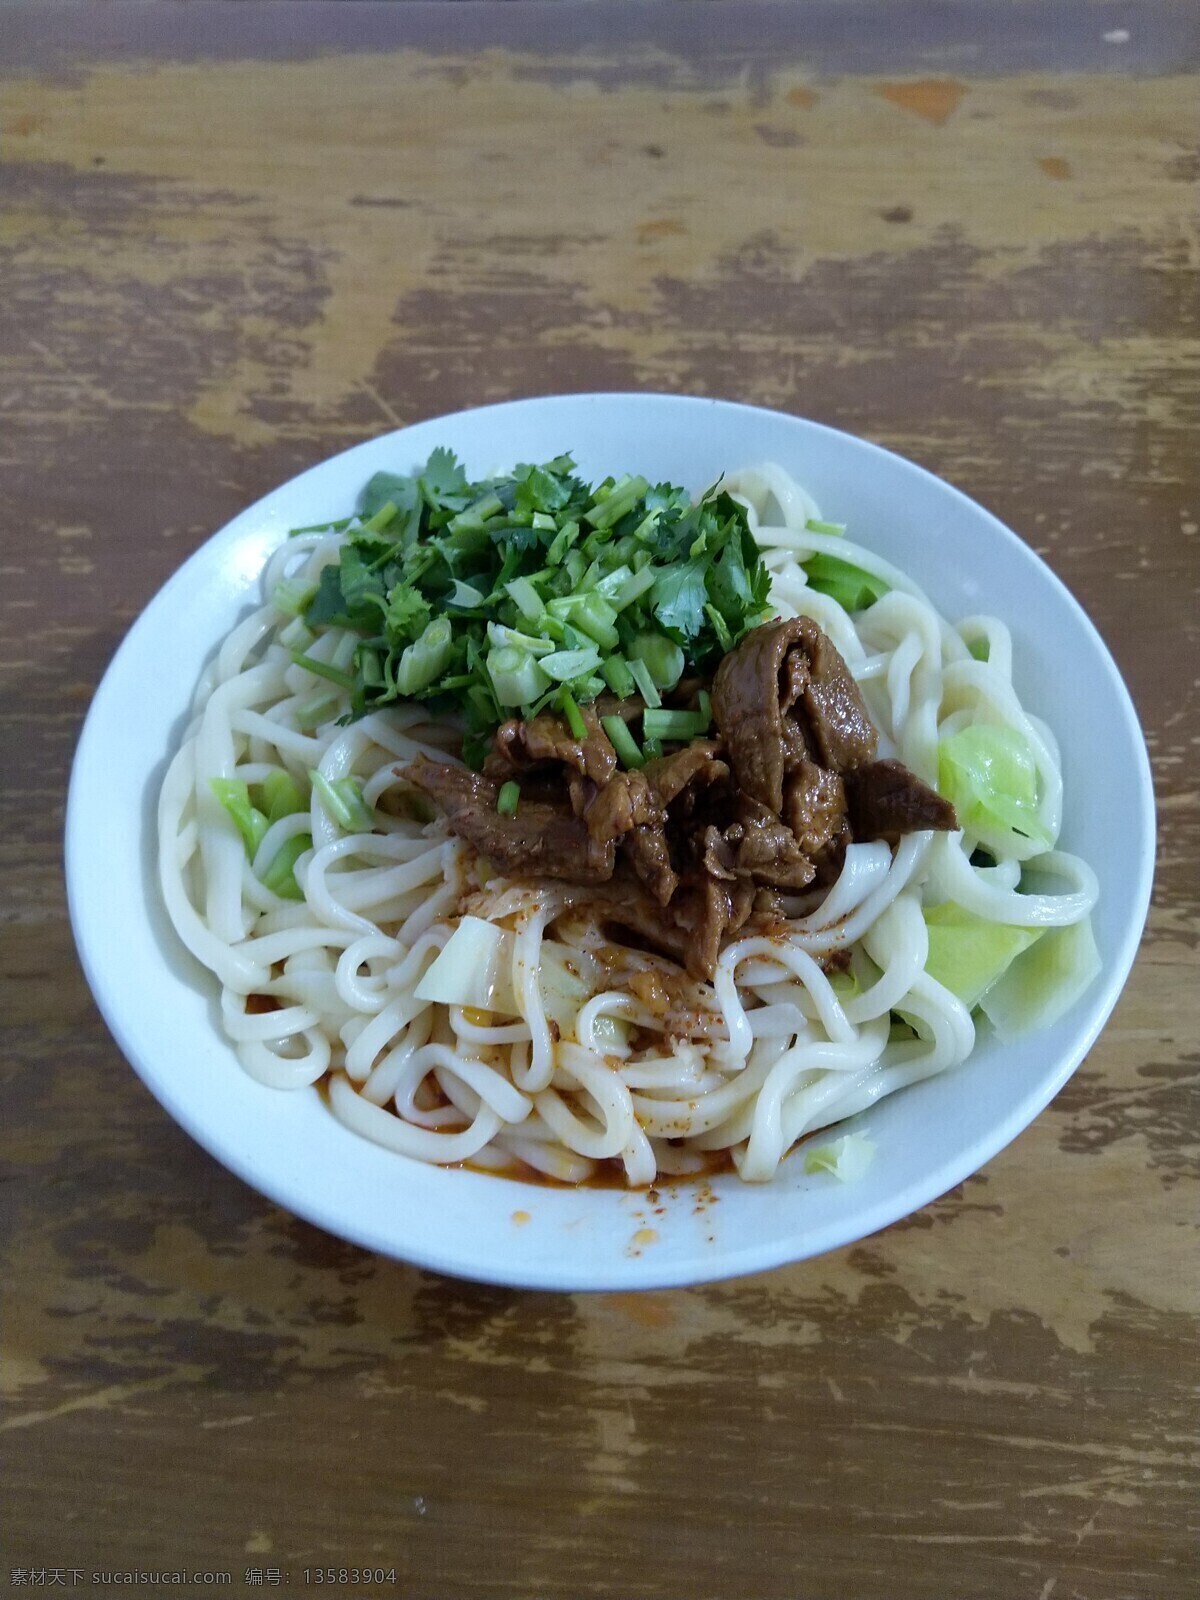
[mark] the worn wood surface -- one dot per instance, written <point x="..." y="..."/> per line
<point x="234" y="240"/>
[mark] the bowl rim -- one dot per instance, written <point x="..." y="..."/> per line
<point x="576" y="1275"/>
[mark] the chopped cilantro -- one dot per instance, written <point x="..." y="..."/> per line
<point x="679" y="596"/>
<point x="519" y="591"/>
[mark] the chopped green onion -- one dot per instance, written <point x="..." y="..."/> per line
<point x="623" y="742"/>
<point x="508" y="798"/>
<point x="664" y="659"/>
<point x="564" y="665"/>
<point x="652" y="749"/>
<point x="526" y="598"/>
<point x="425" y="659"/>
<point x="297" y="635"/>
<point x="677" y="725"/>
<point x="235" y="797"/>
<point x="622" y="497"/>
<point x="381" y="518"/>
<point x="370" y="667"/>
<point x="570" y="711"/>
<point x="814" y="526"/>
<point x="280" y="876"/>
<point x="291" y="595"/>
<point x="562" y="543"/>
<point x="344" y="651"/>
<point x="634" y="587"/>
<point x="472" y="519"/>
<point x="609" y="584"/>
<point x="594" y="616"/>
<point x="640" y="674"/>
<point x="312" y="713"/>
<point x="517" y="677"/>
<point x="343" y="799"/>
<point x="465" y="596"/>
<point x="322" y="669"/>
<point x="618" y="677"/>
<point x="322" y="527"/>
<point x="704" y="706"/>
<point x="498" y="634"/>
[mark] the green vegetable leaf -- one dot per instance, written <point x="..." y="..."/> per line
<point x="443" y="482"/>
<point x="678" y="597"/>
<point x="327" y="605"/>
<point x="729" y="584"/>
<point x="407" y="615"/>
<point x="349" y="595"/>
<point x="362" y="589"/>
<point x="403" y="493"/>
<point x="544" y="489"/>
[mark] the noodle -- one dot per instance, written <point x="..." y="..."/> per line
<point x="606" y="1053"/>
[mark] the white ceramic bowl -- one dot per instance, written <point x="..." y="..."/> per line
<point x="161" y="1006"/>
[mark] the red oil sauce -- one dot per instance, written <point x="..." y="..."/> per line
<point x="608" y="1175"/>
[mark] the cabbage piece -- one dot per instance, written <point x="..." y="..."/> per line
<point x="847" y="1158"/>
<point x="1044" y="982"/>
<point x="968" y="954"/>
<point x="473" y="968"/>
<point x="568" y="979"/>
<point x="852" y="587"/>
<point x="988" y="774"/>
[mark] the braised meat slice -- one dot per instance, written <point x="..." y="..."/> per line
<point x="625" y="802"/>
<point x="814" y="806"/>
<point x="710" y="911"/>
<point x="696" y="765"/>
<point x="627" y="809"/>
<point x="746" y="704"/>
<point x="886" y="800"/>
<point x="650" y="857"/>
<point x="545" y="740"/>
<point x="765" y="848"/>
<point x="783" y="696"/>
<point x="702" y="913"/>
<point x="716" y="854"/>
<point x="840" y="732"/>
<point x="543" y="839"/>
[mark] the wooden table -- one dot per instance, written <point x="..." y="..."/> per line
<point x="236" y="239"/>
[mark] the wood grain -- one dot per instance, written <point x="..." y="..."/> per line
<point x="236" y="239"/>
